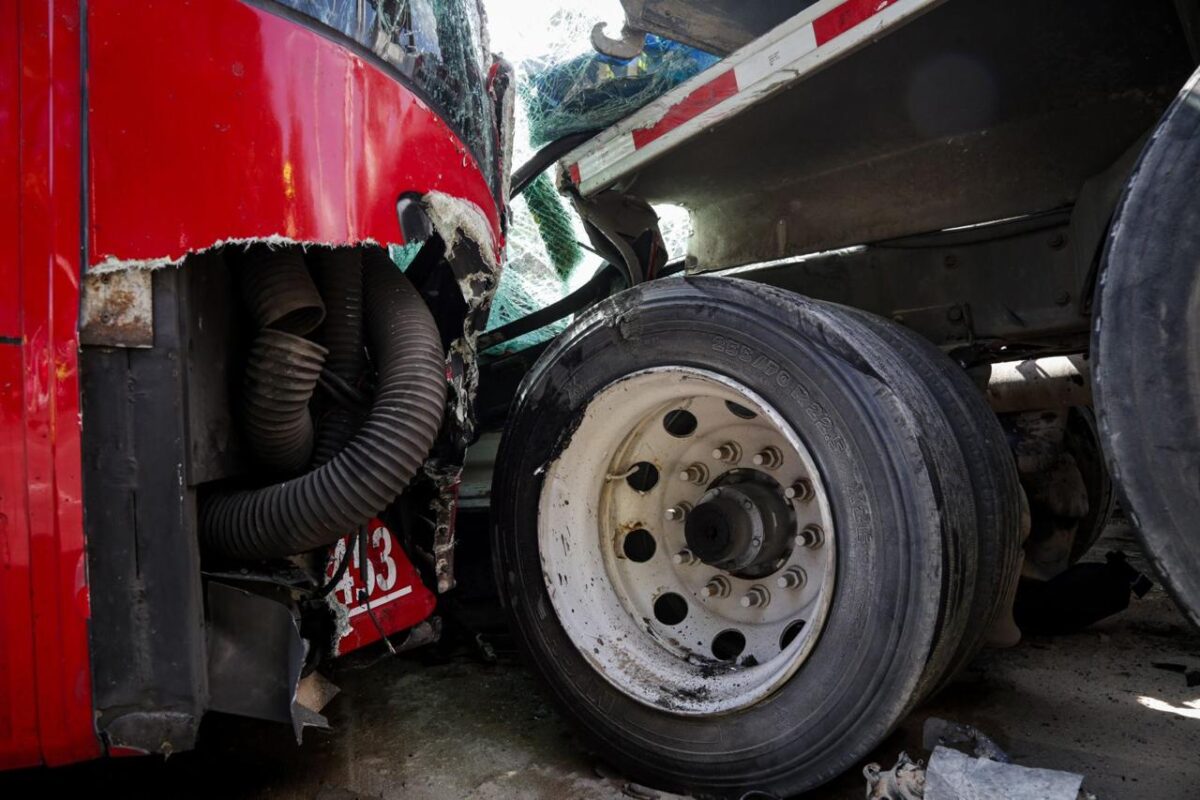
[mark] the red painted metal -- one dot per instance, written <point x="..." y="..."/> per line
<point x="45" y="684"/>
<point x="219" y="120"/>
<point x="18" y="710"/>
<point x="715" y="90"/>
<point x="838" y="20"/>
<point x="396" y="599"/>
<point x="207" y="122"/>
<point x="699" y="100"/>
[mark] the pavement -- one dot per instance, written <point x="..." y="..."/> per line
<point x="444" y="724"/>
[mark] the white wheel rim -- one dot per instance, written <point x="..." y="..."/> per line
<point x="614" y="606"/>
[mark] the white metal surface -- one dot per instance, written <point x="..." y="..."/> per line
<point x="607" y="601"/>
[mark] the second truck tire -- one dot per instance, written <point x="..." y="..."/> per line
<point x="734" y="531"/>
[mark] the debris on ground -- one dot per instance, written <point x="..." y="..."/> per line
<point x="905" y="781"/>
<point x="956" y="734"/>
<point x="952" y="775"/>
<point x="315" y="691"/>
<point x="984" y="773"/>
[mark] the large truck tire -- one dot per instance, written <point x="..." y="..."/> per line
<point x="725" y="536"/>
<point x="991" y="473"/>
<point x="1146" y="344"/>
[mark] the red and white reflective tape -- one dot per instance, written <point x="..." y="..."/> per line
<point x="785" y="54"/>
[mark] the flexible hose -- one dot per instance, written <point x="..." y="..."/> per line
<point x="278" y="289"/>
<point x="320" y="506"/>
<point x="283" y="367"/>
<point x="281" y="373"/>
<point x="339" y="277"/>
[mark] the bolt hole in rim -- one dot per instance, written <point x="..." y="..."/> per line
<point x="670" y="609"/>
<point x="642" y="477"/>
<point x="639" y="545"/>
<point x="728" y="645"/>
<point x="680" y="423"/>
<point x="669" y="628"/>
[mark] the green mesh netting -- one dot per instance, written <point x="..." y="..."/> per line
<point x="529" y="280"/>
<point x="554" y="225"/>
<point x="564" y="86"/>
<point x="592" y="91"/>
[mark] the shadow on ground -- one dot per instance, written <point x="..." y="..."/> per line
<point x="432" y="726"/>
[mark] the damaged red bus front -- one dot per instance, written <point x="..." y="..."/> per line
<point x="255" y="241"/>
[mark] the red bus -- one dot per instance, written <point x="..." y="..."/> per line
<point x="202" y="312"/>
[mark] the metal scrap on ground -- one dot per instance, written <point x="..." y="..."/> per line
<point x="987" y="774"/>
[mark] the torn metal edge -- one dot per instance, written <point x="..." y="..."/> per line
<point x="453" y="218"/>
<point x="111" y="263"/>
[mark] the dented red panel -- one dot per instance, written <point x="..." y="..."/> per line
<point x="245" y="124"/>
<point x="383" y="597"/>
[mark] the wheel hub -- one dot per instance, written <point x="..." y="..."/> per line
<point x="741" y="527"/>
<point x="687" y="541"/>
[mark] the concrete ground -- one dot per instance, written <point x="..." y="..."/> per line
<point x="438" y="725"/>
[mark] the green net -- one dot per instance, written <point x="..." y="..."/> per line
<point x="554" y="225"/>
<point x="592" y="91"/>
<point x="563" y="87"/>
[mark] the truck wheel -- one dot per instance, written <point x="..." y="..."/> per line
<point x="723" y="538"/>
<point x="1146" y="343"/>
<point x="1082" y="441"/>
<point x="991" y="472"/>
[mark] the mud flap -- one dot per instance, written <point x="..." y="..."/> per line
<point x="255" y="656"/>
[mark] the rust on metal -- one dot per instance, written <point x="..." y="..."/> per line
<point x="117" y="309"/>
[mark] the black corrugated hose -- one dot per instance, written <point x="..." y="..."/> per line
<point x="339" y="277"/>
<point x="359" y="482"/>
<point x="282" y="367"/>
<point x="282" y="371"/>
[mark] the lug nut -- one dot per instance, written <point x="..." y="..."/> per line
<point x="800" y="490"/>
<point x="811" y="537"/>
<point x="717" y="587"/>
<point x="792" y="578"/>
<point x="678" y="511"/>
<point x="769" y="457"/>
<point x="757" y="597"/>
<point x="696" y="473"/>
<point x="685" y="557"/>
<point x="730" y="453"/>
